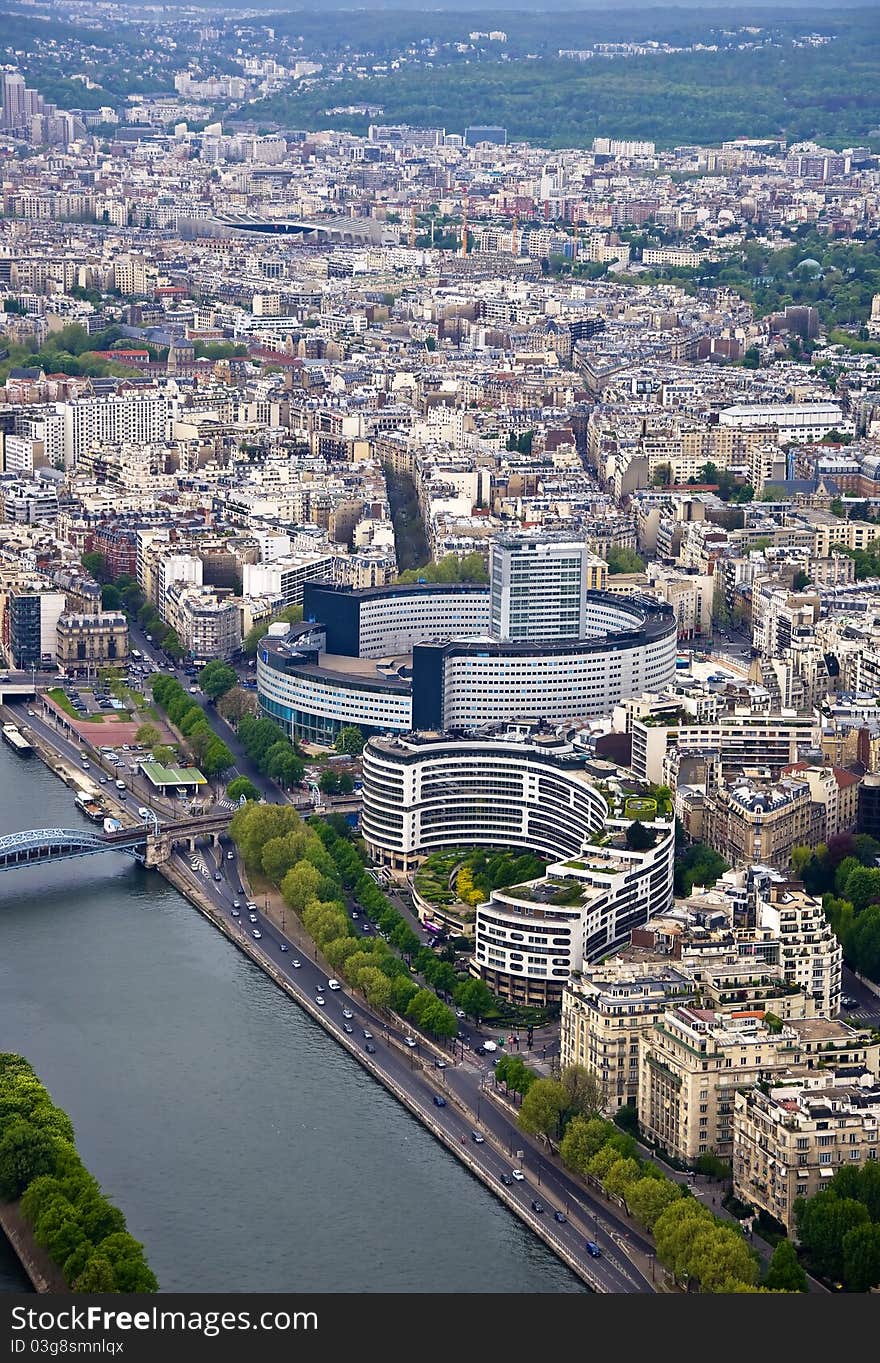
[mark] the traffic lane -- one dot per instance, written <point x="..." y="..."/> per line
<point x="869" y="1002"/>
<point x="421" y="1087"/>
<point x="560" y="1182"/>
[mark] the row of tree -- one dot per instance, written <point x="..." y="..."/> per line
<point x="839" y="1228"/>
<point x="71" y="1218"/>
<point x="209" y="751"/>
<point x="313" y="867"/>
<point x="694" y="1244"/>
<point x="271" y="750"/>
<point x="844" y="871"/>
<point x="450" y="568"/>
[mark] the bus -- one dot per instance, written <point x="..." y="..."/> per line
<point x="136" y="654"/>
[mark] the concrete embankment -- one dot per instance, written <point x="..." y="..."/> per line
<point x="44" y="1273"/>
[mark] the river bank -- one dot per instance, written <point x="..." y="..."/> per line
<point x="176" y="875"/>
<point x="43" y="1272"/>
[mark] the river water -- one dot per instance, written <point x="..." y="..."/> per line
<point x="247" y="1150"/>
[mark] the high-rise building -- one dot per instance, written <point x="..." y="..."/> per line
<point x="14" y="100"/>
<point x="538" y="587"/>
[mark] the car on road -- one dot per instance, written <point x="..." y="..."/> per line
<point x="256" y="933"/>
<point x="252" y="917"/>
<point x="217" y="875"/>
<point x="296" y="964"/>
<point x="477" y="1138"/>
<point x="849" y="1002"/>
<point x="460" y="1013"/>
<point x="230" y="856"/>
<point x="507" y="1180"/>
<point x="409" y="1041"/>
<point x="284" y="946"/>
<point x="347" y="1028"/>
<point x="355" y="915"/>
<point x="537" y="1206"/>
<point x="439" y="1064"/>
<point x="347" y="1013"/>
<point x="320" y="1000"/>
<point x="370" y="1048"/>
<point x="518" y="1175"/>
<point x="333" y="984"/>
<point x="236" y="903"/>
<point x="103" y="780"/>
<point x="560" y="1217"/>
<point x="235" y="913"/>
<point x="593" y="1249"/>
<point x="368" y="1036"/>
<point x="252" y="908"/>
<point x="194" y="690"/>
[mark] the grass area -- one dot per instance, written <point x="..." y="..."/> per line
<point x="638" y="808"/>
<point x="64" y="704"/>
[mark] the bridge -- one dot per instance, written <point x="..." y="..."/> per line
<point x="151" y="844"/>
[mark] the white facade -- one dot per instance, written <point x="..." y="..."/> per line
<point x="539" y="587"/>
<point x="284" y="577"/>
<point x="139" y="418"/>
<point x="396" y="622"/>
<point x="794" y="420"/>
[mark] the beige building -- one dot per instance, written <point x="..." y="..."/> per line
<point x="810" y="955"/>
<point x="89" y="642"/>
<point x="747" y="822"/>
<point x="836" y="790"/>
<point x="788" y="1141"/>
<point x="692" y="1062"/>
<point x="605" y="1008"/>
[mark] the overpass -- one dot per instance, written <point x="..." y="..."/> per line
<point x="151" y="844"/>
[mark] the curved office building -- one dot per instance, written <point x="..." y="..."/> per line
<point x="426" y="792"/>
<point x="393" y="661"/>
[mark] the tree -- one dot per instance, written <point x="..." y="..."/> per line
<point x="475" y="998"/>
<point x="639" y="838"/>
<point x="328" y="782"/>
<point x="148" y="735"/>
<point x="242" y="786"/>
<point x="300" y="885"/>
<point x="542" y="1108"/>
<point x="582" y="1140"/>
<point x="96" y="565"/>
<point x="800" y="580"/>
<point x="784" y="1273"/>
<point x="647" y="1198"/>
<point x="583" y="1090"/>
<point x="823" y="1222"/>
<point x="861" y="1258"/>
<point x="350" y="739"/>
<point x="237" y="703"/>
<point x="675" y="1231"/>
<point x="283" y="765"/>
<point x="26" y="1151"/>
<point x="623" y="561"/>
<point x="172" y="645"/>
<point x="217" y="758"/>
<point x="621" y="1177"/>
<point x="216" y="678"/>
<point x="96" y="1276"/>
<point x="164" y="755"/>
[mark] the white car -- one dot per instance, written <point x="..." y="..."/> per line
<point x="256" y="933"/>
<point x="347" y="1013"/>
<point x="409" y="1041"/>
<point x="333" y="984"/>
<point x="320" y="1000"/>
<point x="518" y="1175"/>
<point x="296" y="964"/>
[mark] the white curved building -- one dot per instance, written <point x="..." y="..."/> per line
<point x="426" y="792"/>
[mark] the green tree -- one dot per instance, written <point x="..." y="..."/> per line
<point x="350" y="739"/>
<point x="300" y="885"/>
<point x="216" y="678"/>
<point x="582" y="1140"/>
<point x="784" y="1273"/>
<point x="639" y="838"/>
<point x="823" y="1222"/>
<point x="475" y="998"/>
<point x="96" y="1276"/>
<point x="648" y="1198"/>
<point x="583" y="1090"/>
<point x="26" y="1151"/>
<point x="542" y="1108"/>
<point x="148" y="735"/>
<point x="242" y="786"/>
<point x="623" y="561"/>
<point x="217" y="758"/>
<point x="861" y="1258"/>
<point x="621" y="1177"/>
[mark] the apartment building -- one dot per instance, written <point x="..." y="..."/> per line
<point x="747" y="822"/>
<point x="605" y="1009"/>
<point x="693" y="1061"/>
<point x="286" y="577"/>
<point x="89" y="642"/>
<point x="207" y="622"/>
<point x="793" y="1136"/>
<point x="810" y="954"/>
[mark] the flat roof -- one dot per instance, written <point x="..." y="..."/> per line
<point x="158" y="775"/>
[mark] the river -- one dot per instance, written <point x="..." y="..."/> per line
<point x="247" y="1150"/>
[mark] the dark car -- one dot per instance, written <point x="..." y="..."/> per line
<point x="438" y="1101"/>
<point x="507" y="1180"/>
<point x="370" y="1048"/>
<point x="560" y="1217"/>
<point x="537" y="1206"/>
<point x="593" y="1250"/>
<point x="849" y="1002"/>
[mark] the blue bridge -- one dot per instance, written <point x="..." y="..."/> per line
<point x="150" y="843"/>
